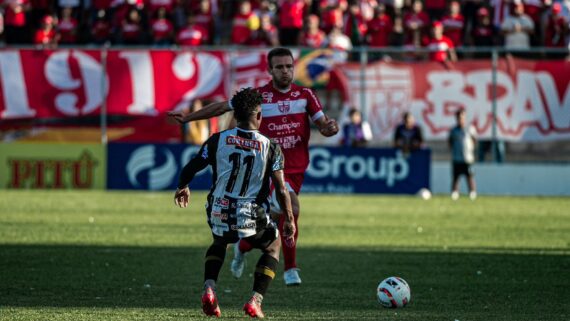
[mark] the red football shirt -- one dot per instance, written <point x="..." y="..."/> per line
<point x="43" y="37"/>
<point x="291" y="14"/>
<point x="192" y="36"/>
<point x="240" y="31"/>
<point x="314" y="40"/>
<point x="286" y="118"/>
<point x="161" y="29"/>
<point x="68" y="30"/>
<point x="379" y="30"/>
<point x="453" y="28"/>
<point x="438" y="48"/>
<point x="14" y="14"/>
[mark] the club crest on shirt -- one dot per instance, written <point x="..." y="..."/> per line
<point x="284" y="106"/>
<point x="267" y="96"/>
<point x="295" y="94"/>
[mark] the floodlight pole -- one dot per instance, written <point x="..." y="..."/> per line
<point x="104" y="136"/>
<point x="494" y="70"/>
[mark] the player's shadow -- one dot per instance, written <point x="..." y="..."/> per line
<point x="334" y="279"/>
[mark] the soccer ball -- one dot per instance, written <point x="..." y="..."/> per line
<point x="424" y="193"/>
<point x="393" y="292"/>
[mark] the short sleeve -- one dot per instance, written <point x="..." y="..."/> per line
<point x="314" y="107"/>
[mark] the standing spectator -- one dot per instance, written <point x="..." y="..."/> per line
<point x="416" y="25"/>
<point x="101" y="29"/>
<point x="440" y="47"/>
<point x="313" y="36"/>
<point x="205" y="18"/>
<point x="501" y="10"/>
<point x="46" y="35"/>
<point x="132" y="31"/>
<point x="15" y="22"/>
<point x="556" y="28"/>
<point x="291" y="15"/>
<point x="153" y="6"/>
<point x="266" y="35"/>
<point x="380" y="28"/>
<point x="192" y="34"/>
<point x="354" y="25"/>
<point x="243" y="22"/>
<point x="38" y="10"/>
<point x="338" y="41"/>
<point x="408" y="135"/>
<point x="462" y="140"/>
<point x="517" y="28"/>
<point x="199" y="132"/>
<point x="332" y="13"/>
<point x="161" y="29"/>
<point x="469" y="12"/>
<point x="483" y="34"/>
<point x="356" y="133"/>
<point x="67" y="27"/>
<point x="454" y="24"/>
<point x="435" y="8"/>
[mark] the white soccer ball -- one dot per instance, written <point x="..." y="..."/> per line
<point x="424" y="193"/>
<point x="393" y="292"/>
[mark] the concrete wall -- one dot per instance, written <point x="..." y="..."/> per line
<point x="507" y="179"/>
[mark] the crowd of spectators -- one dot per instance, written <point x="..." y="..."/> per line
<point x="339" y="24"/>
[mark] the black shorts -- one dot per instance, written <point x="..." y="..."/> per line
<point x="261" y="240"/>
<point x="462" y="169"/>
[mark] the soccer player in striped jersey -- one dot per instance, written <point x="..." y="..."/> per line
<point x="287" y="111"/>
<point x="243" y="161"/>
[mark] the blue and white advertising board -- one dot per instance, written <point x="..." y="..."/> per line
<point x="367" y="170"/>
<point x="332" y="170"/>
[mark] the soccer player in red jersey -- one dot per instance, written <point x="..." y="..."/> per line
<point x="286" y="110"/>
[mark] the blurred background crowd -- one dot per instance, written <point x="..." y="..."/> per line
<point x="338" y="24"/>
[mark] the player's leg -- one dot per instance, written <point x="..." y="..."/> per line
<point x="264" y="271"/>
<point x="214" y="260"/>
<point x="291" y="274"/>
<point x="455" y="181"/>
<point x="471" y="182"/>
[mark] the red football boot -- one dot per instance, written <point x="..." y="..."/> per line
<point x="210" y="303"/>
<point x="253" y="308"/>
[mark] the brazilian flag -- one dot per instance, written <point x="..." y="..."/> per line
<point x="313" y="68"/>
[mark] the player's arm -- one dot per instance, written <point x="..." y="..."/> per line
<point x="278" y="179"/>
<point x="196" y="164"/>
<point x="327" y="126"/>
<point x="209" y="111"/>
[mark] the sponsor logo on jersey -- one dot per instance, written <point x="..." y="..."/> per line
<point x="284" y="106"/>
<point x="222" y="202"/>
<point x="243" y="142"/>
<point x="267" y="96"/>
<point x="243" y="226"/>
<point x="287" y="126"/>
<point x="221" y="216"/>
<point x="288" y="142"/>
<point x="295" y="94"/>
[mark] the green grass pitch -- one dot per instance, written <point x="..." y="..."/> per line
<point x="135" y="256"/>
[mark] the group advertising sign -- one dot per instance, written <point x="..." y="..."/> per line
<point x="332" y="170"/>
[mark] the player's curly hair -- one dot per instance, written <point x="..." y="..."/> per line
<point x="245" y="102"/>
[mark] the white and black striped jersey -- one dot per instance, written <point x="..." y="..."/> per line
<point x="242" y="162"/>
